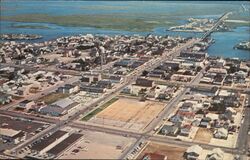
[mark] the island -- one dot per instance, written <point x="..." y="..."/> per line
<point x="244" y="45"/>
<point x="198" y="25"/>
<point x="20" y="36"/>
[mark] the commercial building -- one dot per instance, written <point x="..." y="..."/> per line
<point x="12" y="136"/>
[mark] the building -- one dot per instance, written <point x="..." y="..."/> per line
<point x="12" y="136"/>
<point x="221" y="133"/>
<point x="193" y="152"/>
<point x="144" y="82"/>
<point x="170" y="130"/>
<point x="5" y="99"/>
<point x="91" y="77"/>
<point x="123" y="63"/>
<point x="104" y="84"/>
<point x="68" y="89"/>
<point x="185" y="130"/>
<point x="217" y="154"/>
<point x="193" y="55"/>
<point x="92" y="88"/>
<point x="26" y="104"/>
<point x="154" y="156"/>
<point x="58" y="108"/>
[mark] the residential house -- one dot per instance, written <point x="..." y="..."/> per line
<point x="217" y="154"/>
<point x="185" y="130"/>
<point x="5" y="98"/>
<point x="176" y="119"/>
<point x="221" y="133"/>
<point x="193" y="152"/>
<point x="205" y="121"/>
<point x="171" y="130"/>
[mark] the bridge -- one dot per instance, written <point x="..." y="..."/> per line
<point x="214" y="27"/>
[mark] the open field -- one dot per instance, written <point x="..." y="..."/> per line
<point x="129" y="113"/>
<point x="203" y="135"/>
<point x="90" y="115"/>
<point x="94" y="143"/>
<point x="172" y="152"/>
<point x="52" y="97"/>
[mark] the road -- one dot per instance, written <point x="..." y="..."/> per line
<point x="242" y="142"/>
<point x="208" y="86"/>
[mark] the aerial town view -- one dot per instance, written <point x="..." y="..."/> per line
<point x="146" y="80"/>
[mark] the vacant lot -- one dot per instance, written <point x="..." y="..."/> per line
<point x="53" y="97"/>
<point x="203" y="135"/>
<point x="172" y="152"/>
<point x="129" y="113"/>
<point x="97" y="145"/>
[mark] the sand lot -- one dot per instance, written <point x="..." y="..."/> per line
<point x="97" y="145"/>
<point x="172" y="152"/>
<point x="203" y="135"/>
<point x="129" y="113"/>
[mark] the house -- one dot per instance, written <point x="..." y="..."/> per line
<point x="217" y="154"/>
<point x="228" y="114"/>
<point x="12" y="135"/>
<point x="5" y="98"/>
<point x="193" y="152"/>
<point x="205" y="122"/>
<point x="26" y="104"/>
<point x="221" y="133"/>
<point x="176" y="119"/>
<point x="186" y="107"/>
<point x="185" y="130"/>
<point x="144" y="82"/>
<point x="68" y="89"/>
<point x="189" y="115"/>
<point x="154" y="156"/>
<point x="196" y="122"/>
<point x="170" y="130"/>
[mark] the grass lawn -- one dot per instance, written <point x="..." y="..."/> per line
<point x="99" y="109"/>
